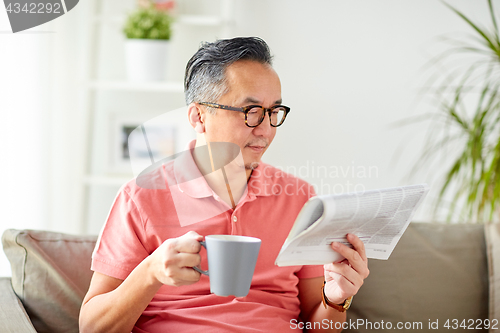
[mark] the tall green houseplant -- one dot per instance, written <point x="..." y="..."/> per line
<point x="468" y="131"/>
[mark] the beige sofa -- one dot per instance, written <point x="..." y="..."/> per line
<point x="437" y="274"/>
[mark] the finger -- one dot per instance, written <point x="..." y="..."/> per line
<point x="188" y="259"/>
<point x="188" y="243"/>
<point x="358" y="245"/>
<point x="348" y="253"/>
<point x="338" y="288"/>
<point x="353" y="257"/>
<point x="345" y="287"/>
<point x="187" y="275"/>
<point x="346" y="272"/>
<point x="194" y="235"/>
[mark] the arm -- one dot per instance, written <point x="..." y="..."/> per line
<point x="343" y="280"/>
<point x="113" y="305"/>
<point x="312" y="309"/>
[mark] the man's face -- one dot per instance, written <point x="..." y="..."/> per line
<point x="250" y="83"/>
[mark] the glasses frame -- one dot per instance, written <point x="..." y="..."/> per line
<point x="246" y="109"/>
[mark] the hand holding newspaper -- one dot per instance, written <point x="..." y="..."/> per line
<point x="378" y="217"/>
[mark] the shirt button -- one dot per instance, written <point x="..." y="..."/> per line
<point x="235" y="219"/>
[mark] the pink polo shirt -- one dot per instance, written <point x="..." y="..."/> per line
<point x="143" y="217"/>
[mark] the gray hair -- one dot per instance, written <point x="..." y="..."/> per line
<point x="205" y="79"/>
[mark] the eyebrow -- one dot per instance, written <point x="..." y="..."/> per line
<point x="255" y="101"/>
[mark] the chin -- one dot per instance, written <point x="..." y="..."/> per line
<point x="251" y="166"/>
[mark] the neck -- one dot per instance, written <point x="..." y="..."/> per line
<point x="229" y="181"/>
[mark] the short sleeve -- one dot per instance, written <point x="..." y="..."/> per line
<point x="121" y="244"/>
<point x="310" y="271"/>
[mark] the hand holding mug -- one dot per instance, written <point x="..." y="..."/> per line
<point x="172" y="261"/>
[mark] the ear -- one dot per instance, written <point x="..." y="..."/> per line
<point x="196" y="117"/>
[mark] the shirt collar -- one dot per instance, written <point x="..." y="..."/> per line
<point x="191" y="182"/>
<point x="188" y="177"/>
<point x="262" y="180"/>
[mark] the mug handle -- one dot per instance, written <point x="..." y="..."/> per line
<point x="199" y="270"/>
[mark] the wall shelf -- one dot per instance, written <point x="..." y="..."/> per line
<point x="172" y="87"/>
<point x="100" y="105"/>
<point x="196" y="20"/>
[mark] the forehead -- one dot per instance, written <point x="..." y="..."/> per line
<point x="248" y="79"/>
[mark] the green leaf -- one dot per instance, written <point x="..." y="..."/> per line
<point x="148" y="23"/>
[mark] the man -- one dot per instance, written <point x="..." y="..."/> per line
<point x="143" y="277"/>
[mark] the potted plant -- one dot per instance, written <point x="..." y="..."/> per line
<point x="466" y="128"/>
<point x="148" y="31"/>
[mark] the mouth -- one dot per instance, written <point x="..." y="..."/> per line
<point x="257" y="147"/>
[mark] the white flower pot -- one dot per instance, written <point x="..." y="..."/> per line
<point x="146" y="59"/>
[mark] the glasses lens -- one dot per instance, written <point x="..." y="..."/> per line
<point x="277" y="116"/>
<point x="254" y="116"/>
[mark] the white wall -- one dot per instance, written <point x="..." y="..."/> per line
<point x="39" y="77"/>
<point x="348" y="68"/>
<point x="23" y="104"/>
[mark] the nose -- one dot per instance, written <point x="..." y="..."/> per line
<point x="264" y="129"/>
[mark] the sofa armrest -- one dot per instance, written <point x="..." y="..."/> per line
<point x="492" y="234"/>
<point x="13" y="317"/>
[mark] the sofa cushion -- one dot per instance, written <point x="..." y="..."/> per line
<point x="13" y="317"/>
<point x="436" y="272"/>
<point x="50" y="274"/>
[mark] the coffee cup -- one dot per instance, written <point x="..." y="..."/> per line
<point x="231" y="263"/>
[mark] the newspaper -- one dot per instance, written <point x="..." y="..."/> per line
<point x="378" y="217"/>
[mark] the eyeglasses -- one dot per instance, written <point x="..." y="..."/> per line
<point x="255" y="114"/>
